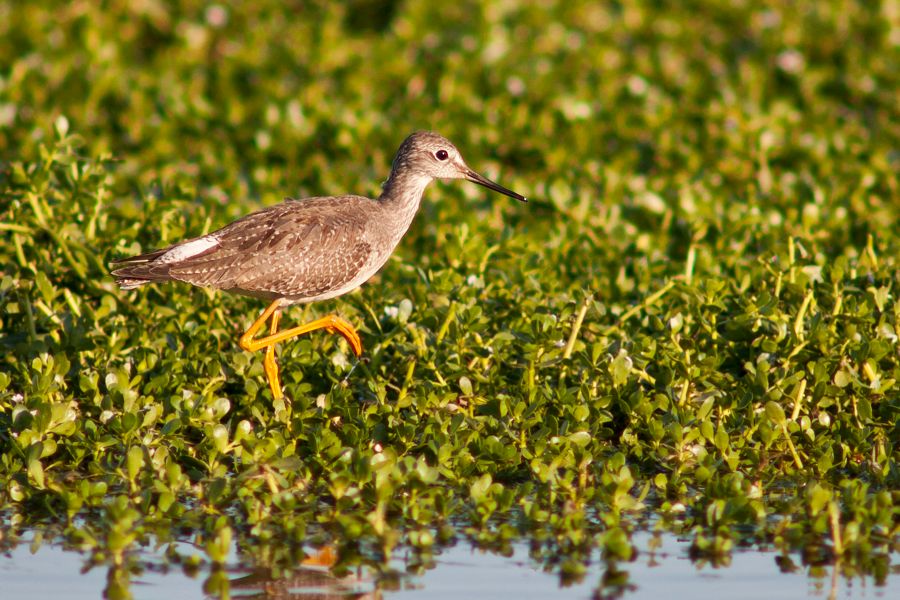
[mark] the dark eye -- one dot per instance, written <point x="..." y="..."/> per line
<point x="441" y="155"/>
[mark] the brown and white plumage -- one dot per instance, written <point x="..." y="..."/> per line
<point x="307" y="250"/>
<point x="299" y="250"/>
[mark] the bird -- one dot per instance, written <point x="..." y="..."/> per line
<point x="307" y="250"/>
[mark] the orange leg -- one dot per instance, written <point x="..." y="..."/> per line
<point x="331" y="323"/>
<point x="323" y="557"/>
<point x="269" y="364"/>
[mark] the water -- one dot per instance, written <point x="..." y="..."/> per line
<point x="460" y="572"/>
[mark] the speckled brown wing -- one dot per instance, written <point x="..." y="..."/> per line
<point x="297" y="249"/>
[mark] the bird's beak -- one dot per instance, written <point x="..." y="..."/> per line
<point x="481" y="180"/>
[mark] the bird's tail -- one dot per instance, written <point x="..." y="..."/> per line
<point x="141" y="270"/>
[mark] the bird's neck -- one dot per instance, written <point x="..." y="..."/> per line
<point x="401" y="196"/>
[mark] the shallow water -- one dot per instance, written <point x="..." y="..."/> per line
<point x="460" y="572"/>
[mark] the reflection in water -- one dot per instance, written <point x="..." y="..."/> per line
<point x="661" y="566"/>
<point x="302" y="584"/>
<point x="118" y="581"/>
<point x="312" y="580"/>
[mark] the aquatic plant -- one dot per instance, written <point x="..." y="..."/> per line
<point x="693" y="326"/>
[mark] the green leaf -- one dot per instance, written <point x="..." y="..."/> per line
<point x="480" y="486"/>
<point x="620" y="368"/>
<point x="705" y="408"/>
<point x="220" y="437"/>
<point x="580" y="438"/>
<point x="36" y="473"/>
<point x="135" y="461"/>
<point x="775" y="413"/>
<point x="843" y="378"/>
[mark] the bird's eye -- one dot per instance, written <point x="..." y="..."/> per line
<point x="441" y="155"/>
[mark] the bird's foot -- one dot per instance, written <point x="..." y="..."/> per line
<point x="335" y="324"/>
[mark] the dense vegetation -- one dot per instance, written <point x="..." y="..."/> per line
<point x="693" y="326"/>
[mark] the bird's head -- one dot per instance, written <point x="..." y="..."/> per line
<point x="430" y="155"/>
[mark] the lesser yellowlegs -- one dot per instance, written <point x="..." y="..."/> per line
<point x="306" y="250"/>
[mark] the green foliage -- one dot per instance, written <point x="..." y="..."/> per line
<point x="693" y="324"/>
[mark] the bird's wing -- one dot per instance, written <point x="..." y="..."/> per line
<point x="296" y="248"/>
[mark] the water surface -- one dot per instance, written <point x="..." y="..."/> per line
<point x="460" y="572"/>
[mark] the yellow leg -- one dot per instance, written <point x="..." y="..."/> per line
<point x="247" y="339"/>
<point x="331" y="323"/>
<point x="269" y="364"/>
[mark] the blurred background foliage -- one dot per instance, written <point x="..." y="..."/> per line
<point x="693" y="323"/>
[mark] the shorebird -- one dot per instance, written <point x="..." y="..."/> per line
<point x="306" y="250"/>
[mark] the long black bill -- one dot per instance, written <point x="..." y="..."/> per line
<point x="480" y="180"/>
